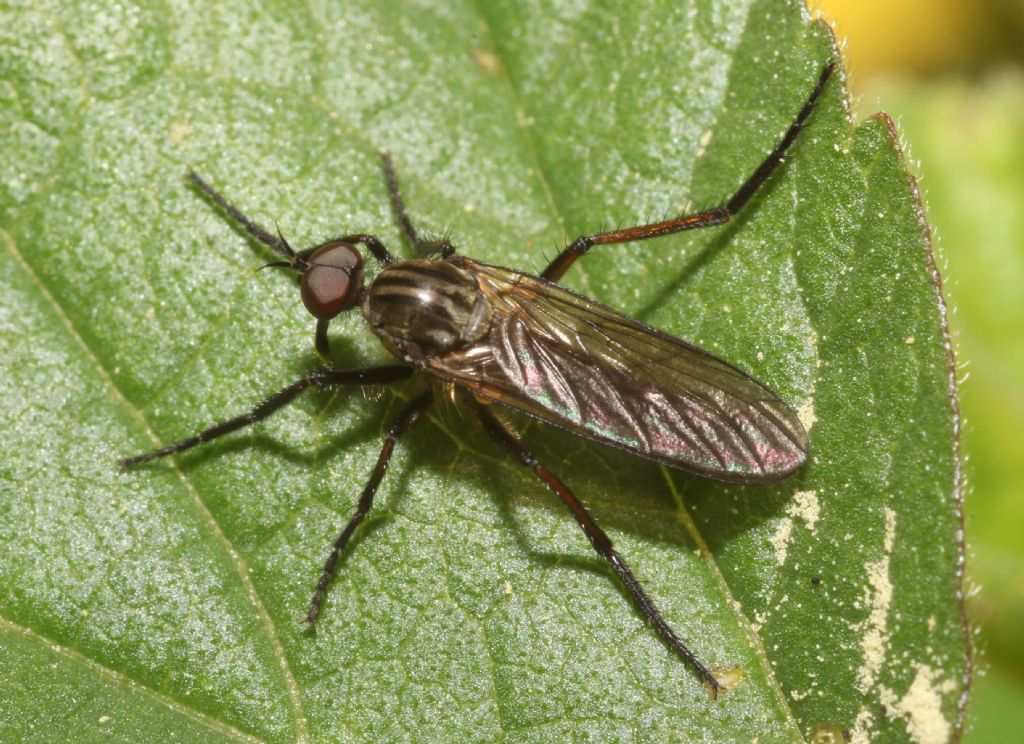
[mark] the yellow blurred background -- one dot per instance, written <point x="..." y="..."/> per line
<point x="930" y="38"/>
<point x="951" y="73"/>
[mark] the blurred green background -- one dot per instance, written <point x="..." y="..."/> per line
<point x="951" y="73"/>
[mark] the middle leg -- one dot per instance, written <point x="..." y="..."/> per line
<point x="397" y="428"/>
<point x="321" y="378"/>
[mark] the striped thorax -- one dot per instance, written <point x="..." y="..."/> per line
<point x="419" y="308"/>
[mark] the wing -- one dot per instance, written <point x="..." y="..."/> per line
<point x="565" y="359"/>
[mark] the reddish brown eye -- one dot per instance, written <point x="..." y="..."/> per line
<point x="332" y="282"/>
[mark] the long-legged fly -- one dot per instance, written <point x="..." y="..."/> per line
<point x="522" y="342"/>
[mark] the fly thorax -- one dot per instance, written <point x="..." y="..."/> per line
<point x="419" y="308"/>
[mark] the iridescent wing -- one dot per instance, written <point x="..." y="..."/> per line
<point x="565" y="359"/>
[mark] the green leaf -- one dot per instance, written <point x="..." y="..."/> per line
<point x="168" y="600"/>
<point x="970" y="137"/>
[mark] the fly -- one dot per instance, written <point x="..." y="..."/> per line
<point x="521" y="342"/>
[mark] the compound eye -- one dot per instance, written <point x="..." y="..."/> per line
<point x="333" y="281"/>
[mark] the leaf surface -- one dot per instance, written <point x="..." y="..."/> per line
<point x="169" y="600"/>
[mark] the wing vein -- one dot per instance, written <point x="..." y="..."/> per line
<point x="565" y="359"/>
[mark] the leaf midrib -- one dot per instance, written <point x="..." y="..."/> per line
<point x="236" y="560"/>
<point x="129" y="683"/>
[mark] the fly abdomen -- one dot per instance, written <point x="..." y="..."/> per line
<point x="421" y="307"/>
